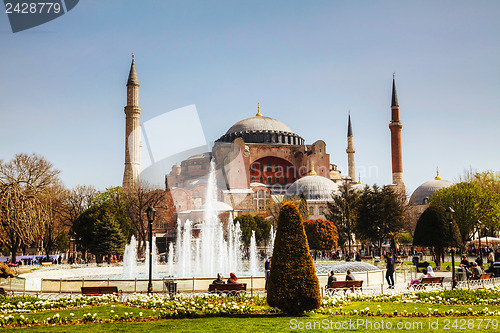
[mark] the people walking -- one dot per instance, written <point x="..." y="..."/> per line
<point x="267" y="268"/>
<point x="389" y="275"/>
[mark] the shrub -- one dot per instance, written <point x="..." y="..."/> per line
<point x="321" y="234"/>
<point x="293" y="286"/>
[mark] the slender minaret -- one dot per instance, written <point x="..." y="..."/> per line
<point x="350" y="151"/>
<point x="131" y="175"/>
<point x="395" y="127"/>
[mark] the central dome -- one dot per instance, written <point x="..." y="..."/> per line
<point x="260" y="129"/>
<point x="259" y="123"/>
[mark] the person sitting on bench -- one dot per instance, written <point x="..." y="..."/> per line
<point x="219" y="279"/>
<point x="349" y="276"/>
<point x="232" y="278"/>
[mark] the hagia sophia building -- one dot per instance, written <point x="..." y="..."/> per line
<point x="259" y="160"/>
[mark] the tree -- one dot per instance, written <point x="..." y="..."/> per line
<point x="23" y="182"/>
<point x="55" y="232"/>
<point x="98" y="228"/>
<point x="486" y="180"/>
<point x="321" y="234"/>
<point x="380" y="215"/>
<point x="342" y="211"/>
<point x="300" y="201"/>
<point x="108" y="207"/>
<point x="433" y="230"/>
<point x="471" y="203"/>
<point x="108" y="237"/>
<point x="138" y="200"/>
<point x="260" y="225"/>
<point x="293" y="285"/>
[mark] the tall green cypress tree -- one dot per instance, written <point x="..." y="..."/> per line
<point x="293" y="285"/>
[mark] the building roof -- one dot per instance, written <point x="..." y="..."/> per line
<point x="422" y="194"/>
<point x="313" y="187"/>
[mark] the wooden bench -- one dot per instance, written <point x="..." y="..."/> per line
<point x="486" y="276"/>
<point x="227" y="288"/>
<point x="353" y="285"/>
<point x="96" y="291"/>
<point x="434" y="281"/>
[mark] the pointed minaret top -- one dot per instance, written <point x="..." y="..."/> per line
<point x="349" y="127"/>
<point x="258" y="111"/>
<point x="394" y="94"/>
<point x="437" y="174"/>
<point x="359" y="178"/>
<point x="133" y="80"/>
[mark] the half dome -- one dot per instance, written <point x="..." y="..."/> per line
<point x="313" y="187"/>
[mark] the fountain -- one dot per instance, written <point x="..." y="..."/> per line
<point x="130" y="259"/>
<point x="216" y="250"/>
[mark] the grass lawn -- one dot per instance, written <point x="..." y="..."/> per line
<point x="269" y="322"/>
<point x="280" y="323"/>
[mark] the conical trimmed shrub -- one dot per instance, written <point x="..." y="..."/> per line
<point x="293" y="286"/>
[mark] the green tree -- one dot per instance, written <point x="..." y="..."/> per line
<point x="341" y="211"/>
<point x="380" y="214"/>
<point x="321" y="234"/>
<point x="293" y="285"/>
<point x="260" y="225"/>
<point x="108" y="237"/>
<point x="433" y="230"/>
<point x="471" y="203"/>
<point x="109" y="207"/>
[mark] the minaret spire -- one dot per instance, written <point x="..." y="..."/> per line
<point x="394" y="94"/>
<point x="131" y="175"/>
<point x="350" y="150"/>
<point x="396" y="149"/>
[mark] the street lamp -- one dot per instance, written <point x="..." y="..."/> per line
<point x="150" y="212"/>
<point x="478" y="226"/>
<point x="449" y="214"/>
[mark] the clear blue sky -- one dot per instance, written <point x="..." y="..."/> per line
<point x="307" y="62"/>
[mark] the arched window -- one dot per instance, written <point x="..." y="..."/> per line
<point x="311" y="210"/>
<point x="321" y="210"/>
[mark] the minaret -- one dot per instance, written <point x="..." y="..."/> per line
<point x="350" y="151"/>
<point x="131" y="175"/>
<point x="395" y="127"/>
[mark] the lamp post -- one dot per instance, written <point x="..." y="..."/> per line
<point x="478" y="224"/>
<point x="449" y="214"/>
<point x="151" y="212"/>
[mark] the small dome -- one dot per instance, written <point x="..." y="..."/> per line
<point x="313" y="187"/>
<point x="218" y="206"/>
<point x="422" y="194"/>
<point x="358" y="187"/>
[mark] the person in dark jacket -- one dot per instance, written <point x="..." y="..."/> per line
<point x="389" y="274"/>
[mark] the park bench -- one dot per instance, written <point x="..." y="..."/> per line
<point x="435" y="281"/>
<point x="4" y="293"/>
<point x="229" y="288"/>
<point x="486" y="276"/>
<point x="97" y="291"/>
<point x="353" y="285"/>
